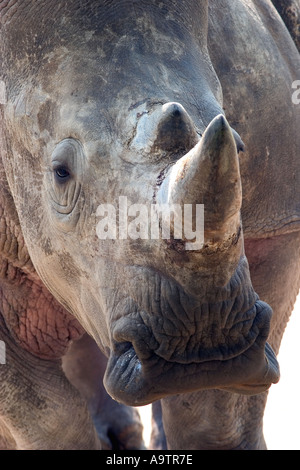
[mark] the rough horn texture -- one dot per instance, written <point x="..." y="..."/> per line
<point x="209" y="174"/>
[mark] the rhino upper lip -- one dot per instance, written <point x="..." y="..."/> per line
<point x="128" y="380"/>
<point x="136" y="375"/>
<point x="132" y="332"/>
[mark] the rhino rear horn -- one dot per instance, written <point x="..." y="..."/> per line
<point x="175" y="131"/>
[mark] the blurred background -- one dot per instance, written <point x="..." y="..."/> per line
<point x="282" y="415"/>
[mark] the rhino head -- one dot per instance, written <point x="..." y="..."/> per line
<point x="123" y="105"/>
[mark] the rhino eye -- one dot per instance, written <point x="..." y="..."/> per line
<point x="62" y="174"/>
<point x="64" y="178"/>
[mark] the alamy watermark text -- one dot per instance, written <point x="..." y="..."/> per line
<point x="296" y="94"/>
<point x="154" y="221"/>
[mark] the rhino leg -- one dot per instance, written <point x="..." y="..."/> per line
<point x="214" y="420"/>
<point x="158" y="437"/>
<point x="39" y="408"/>
<point x="119" y="427"/>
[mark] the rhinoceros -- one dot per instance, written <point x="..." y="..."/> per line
<point x="149" y="219"/>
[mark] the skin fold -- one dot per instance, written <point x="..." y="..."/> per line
<point x="156" y="103"/>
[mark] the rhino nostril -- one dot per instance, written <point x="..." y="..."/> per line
<point x="176" y="112"/>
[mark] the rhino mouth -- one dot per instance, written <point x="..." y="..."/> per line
<point x="137" y="373"/>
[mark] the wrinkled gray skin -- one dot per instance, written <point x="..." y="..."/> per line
<point x="123" y="98"/>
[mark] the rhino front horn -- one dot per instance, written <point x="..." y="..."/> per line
<point x="209" y="174"/>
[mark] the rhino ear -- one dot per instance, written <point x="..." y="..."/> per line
<point x="175" y="130"/>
